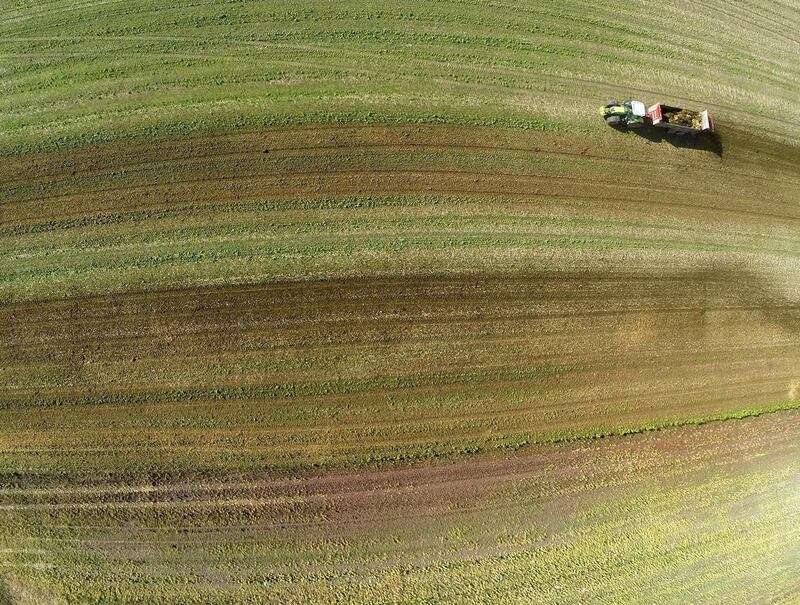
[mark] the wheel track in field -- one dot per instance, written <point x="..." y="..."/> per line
<point x="475" y="375"/>
<point x="257" y="141"/>
<point x="433" y="482"/>
<point x="317" y="188"/>
<point x="345" y="148"/>
<point x="362" y="289"/>
<point x="309" y="47"/>
<point x="333" y="398"/>
<point x="628" y="418"/>
<point x="442" y="293"/>
<point x="500" y="193"/>
<point x="388" y="477"/>
<point x="714" y="8"/>
<point x="429" y="421"/>
<point x="330" y="303"/>
<point x="363" y="173"/>
<point x="330" y="188"/>
<point x="230" y="354"/>
<point x="89" y="341"/>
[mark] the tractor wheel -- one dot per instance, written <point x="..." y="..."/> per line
<point x="613" y="103"/>
<point x="613" y="120"/>
<point x="634" y="124"/>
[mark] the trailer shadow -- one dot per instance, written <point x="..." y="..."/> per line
<point x="704" y="142"/>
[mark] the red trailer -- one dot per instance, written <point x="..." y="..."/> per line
<point x="658" y="115"/>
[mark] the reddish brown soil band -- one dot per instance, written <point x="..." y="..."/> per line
<point x="538" y="354"/>
<point x="341" y="161"/>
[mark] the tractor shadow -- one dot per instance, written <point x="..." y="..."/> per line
<point x="703" y="142"/>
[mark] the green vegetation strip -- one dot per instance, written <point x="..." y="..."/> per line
<point x="101" y="72"/>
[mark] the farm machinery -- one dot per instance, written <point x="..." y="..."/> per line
<point x="675" y="120"/>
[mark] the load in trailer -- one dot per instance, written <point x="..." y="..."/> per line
<point x="675" y="120"/>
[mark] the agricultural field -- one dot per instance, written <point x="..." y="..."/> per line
<point x="309" y="302"/>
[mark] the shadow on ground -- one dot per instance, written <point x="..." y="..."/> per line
<point x="704" y="142"/>
<point x="5" y="594"/>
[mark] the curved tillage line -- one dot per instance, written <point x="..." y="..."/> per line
<point x="714" y="481"/>
<point x="44" y="176"/>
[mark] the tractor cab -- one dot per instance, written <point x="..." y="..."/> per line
<point x="630" y="114"/>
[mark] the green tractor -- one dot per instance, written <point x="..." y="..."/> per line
<point x="630" y="114"/>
